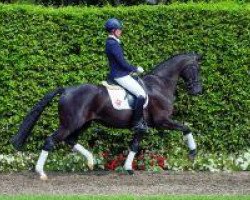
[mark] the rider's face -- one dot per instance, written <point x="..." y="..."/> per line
<point x="117" y="33"/>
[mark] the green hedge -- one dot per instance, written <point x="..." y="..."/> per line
<point x="112" y="2"/>
<point x="39" y="50"/>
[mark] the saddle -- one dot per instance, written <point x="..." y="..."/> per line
<point x="121" y="98"/>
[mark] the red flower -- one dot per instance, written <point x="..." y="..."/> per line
<point x="141" y="162"/>
<point x="111" y="165"/>
<point x="141" y="167"/>
<point x="140" y="157"/>
<point x="134" y="164"/>
<point x="105" y="154"/>
<point x="120" y="157"/>
<point x="161" y="161"/>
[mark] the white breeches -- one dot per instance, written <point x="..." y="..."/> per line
<point x="131" y="85"/>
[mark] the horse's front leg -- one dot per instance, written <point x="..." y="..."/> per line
<point x="133" y="150"/>
<point x="187" y="134"/>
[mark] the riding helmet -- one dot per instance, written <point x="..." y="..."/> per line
<point x="112" y="24"/>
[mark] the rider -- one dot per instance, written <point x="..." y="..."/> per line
<point x="121" y="70"/>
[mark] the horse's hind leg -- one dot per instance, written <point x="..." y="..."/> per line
<point x="49" y="145"/>
<point x="72" y="141"/>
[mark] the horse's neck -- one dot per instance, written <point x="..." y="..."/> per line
<point x="170" y="69"/>
<point x="170" y="83"/>
<point x="169" y="78"/>
<point x="167" y="75"/>
<point x="165" y="86"/>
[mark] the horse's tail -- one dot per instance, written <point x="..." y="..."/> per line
<point x="31" y="118"/>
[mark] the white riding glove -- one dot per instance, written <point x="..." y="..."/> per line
<point x="140" y="70"/>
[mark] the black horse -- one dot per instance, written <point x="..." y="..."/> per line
<point x="79" y="106"/>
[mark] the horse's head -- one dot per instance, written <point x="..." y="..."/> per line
<point x="191" y="75"/>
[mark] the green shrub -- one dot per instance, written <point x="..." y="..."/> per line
<point x="39" y="52"/>
<point x="113" y="2"/>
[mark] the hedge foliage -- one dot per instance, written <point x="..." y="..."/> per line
<point x="42" y="48"/>
<point x="112" y="2"/>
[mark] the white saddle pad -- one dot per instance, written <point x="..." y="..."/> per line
<point x="118" y="97"/>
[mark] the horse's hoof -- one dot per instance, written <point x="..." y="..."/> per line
<point x="90" y="166"/>
<point x="40" y="172"/>
<point x="192" y="154"/>
<point x="130" y="172"/>
<point x="44" y="177"/>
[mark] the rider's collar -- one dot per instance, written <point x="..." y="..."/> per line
<point x="115" y="38"/>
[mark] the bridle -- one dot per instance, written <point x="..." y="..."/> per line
<point x="188" y="73"/>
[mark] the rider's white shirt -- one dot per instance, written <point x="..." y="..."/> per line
<point x="115" y="38"/>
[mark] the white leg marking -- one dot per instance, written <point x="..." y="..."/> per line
<point x="40" y="164"/>
<point x="189" y="139"/>
<point x="79" y="148"/>
<point x="129" y="161"/>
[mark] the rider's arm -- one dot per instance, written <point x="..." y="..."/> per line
<point x="117" y="52"/>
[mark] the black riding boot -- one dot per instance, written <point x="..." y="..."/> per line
<point x="139" y="125"/>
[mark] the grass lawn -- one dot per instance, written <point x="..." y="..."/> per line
<point x="126" y="197"/>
